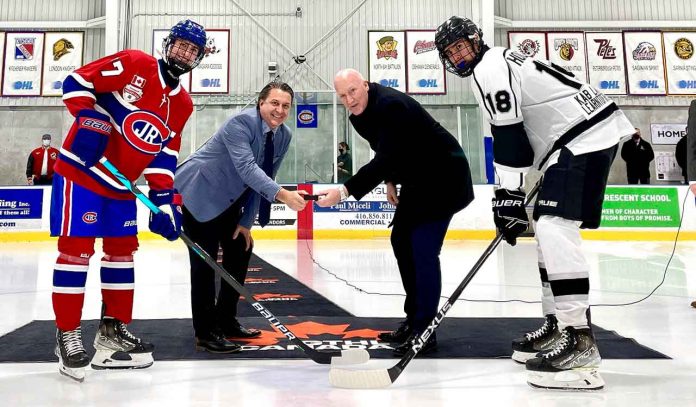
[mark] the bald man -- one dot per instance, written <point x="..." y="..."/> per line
<point x="415" y="151"/>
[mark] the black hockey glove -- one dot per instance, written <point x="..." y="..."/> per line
<point x="509" y="214"/>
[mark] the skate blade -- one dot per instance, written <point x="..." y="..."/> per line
<point x="77" y="374"/>
<point x="522" y="357"/>
<point x="584" y="379"/>
<point x="110" y="359"/>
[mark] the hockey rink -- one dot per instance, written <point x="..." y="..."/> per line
<point x="621" y="272"/>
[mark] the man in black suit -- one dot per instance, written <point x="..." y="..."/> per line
<point x="638" y="154"/>
<point x="415" y="151"/>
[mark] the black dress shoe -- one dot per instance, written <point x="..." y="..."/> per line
<point x="399" y="335"/>
<point x="430" y="345"/>
<point x="240" y="332"/>
<point x="216" y="344"/>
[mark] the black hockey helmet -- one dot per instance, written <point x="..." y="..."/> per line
<point x="455" y="29"/>
<point x="190" y="31"/>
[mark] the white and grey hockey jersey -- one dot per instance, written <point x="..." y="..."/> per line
<point x="531" y="104"/>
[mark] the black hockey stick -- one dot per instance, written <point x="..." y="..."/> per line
<point x="378" y="378"/>
<point x="345" y="357"/>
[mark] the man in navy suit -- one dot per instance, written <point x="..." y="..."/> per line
<point x="224" y="185"/>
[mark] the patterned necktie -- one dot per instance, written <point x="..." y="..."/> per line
<point x="267" y="166"/>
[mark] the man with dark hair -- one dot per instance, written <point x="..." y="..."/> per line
<point x="541" y="116"/>
<point x="396" y="126"/>
<point x="40" y="163"/>
<point x="224" y="185"/>
<point x="344" y="162"/>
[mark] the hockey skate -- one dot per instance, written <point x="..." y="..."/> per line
<point x="572" y="364"/>
<point x="72" y="358"/>
<point x="534" y="342"/>
<point x="117" y="348"/>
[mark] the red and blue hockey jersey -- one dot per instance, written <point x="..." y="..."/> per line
<point x="148" y="117"/>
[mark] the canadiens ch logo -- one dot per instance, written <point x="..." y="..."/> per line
<point x="145" y="131"/>
<point x="89" y="217"/>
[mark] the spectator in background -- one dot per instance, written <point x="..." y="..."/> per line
<point x="40" y="163"/>
<point x="691" y="153"/>
<point x="680" y="155"/>
<point x="344" y="162"/>
<point x="638" y="154"/>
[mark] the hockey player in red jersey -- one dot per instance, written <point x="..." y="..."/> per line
<point x="130" y="108"/>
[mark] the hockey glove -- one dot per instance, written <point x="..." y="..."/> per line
<point x="92" y="136"/>
<point x="509" y="214"/>
<point x="167" y="223"/>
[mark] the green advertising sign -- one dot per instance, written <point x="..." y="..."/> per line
<point x="640" y="207"/>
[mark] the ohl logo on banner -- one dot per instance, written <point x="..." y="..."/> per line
<point x="145" y="131"/>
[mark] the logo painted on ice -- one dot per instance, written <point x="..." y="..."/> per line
<point x="145" y="131"/>
<point x="89" y="217"/>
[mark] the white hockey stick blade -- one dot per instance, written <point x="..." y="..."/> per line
<point x="351" y="357"/>
<point x="359" y="379"/>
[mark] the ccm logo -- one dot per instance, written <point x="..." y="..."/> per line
<point x="89" y="217"/>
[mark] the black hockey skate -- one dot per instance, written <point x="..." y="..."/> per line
<point x="72" y="358"/>
<point x="117" y="348"/>
<point x="534" y="342"/>
<point x="571" y="365"/>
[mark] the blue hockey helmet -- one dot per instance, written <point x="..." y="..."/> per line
<point x="190" y="31"/>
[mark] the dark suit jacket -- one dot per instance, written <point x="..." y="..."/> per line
<point x="414" y="150"/>
<point x="691" y="143"/>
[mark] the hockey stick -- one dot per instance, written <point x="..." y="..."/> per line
<point x="344" y="357"/>
<point x="379" y="378"/>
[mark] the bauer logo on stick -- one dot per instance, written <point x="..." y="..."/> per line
<point x="145" y="132"/>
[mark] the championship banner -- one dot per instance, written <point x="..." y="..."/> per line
<point x="605" y="62"/>
<point x="645" y="70"/>
<point x="667" y="133"/>
<point x="567" y="50"/>
<point x="157" y="37"/>
<point x="23" y="55"/>
<point x="212" y="75"/>
<point x="426" y="74"/>
<point x="20" y="208"/>
<point x="387" y="58"/>
<point x="531" y="44"/>
<point x="680" y="63"/>
<point x="62" y="55"/>
<point x="640" y="207"/>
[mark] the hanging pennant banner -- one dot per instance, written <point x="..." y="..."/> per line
<point x="531" y="44"/>
<point x="645" y="70"/>
<point x="157" y="37"/>
<point x="426" y="75"/>
<point x="62" y="55"/>
<point x="23" y="55"/>
<point x="211" y="75"/>
<point x="680" y="62"/>
<point x="567" y="50"/>
<point x="605" y="62"/>
<point x="387" y="58"/>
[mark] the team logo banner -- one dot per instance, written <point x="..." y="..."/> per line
<point x="307" y="116"/>
<point x="23" y="57"/>
<point x="605" y="60"/>
<point x="531" y="44"/>
<point x="680" y="62"/>
<point x="426" y="75"/>
<point x="62" y="55"/>
<point x="211" y="76"/>
<point x="157" y="37"/>
<point x="645" y="70"/>
<point x="387" y="58"/>
<point x="567" y="50"/>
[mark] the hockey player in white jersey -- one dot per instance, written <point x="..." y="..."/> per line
<point x="543" y="117"/>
